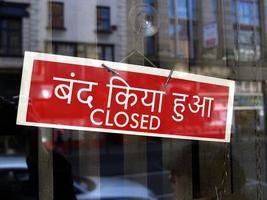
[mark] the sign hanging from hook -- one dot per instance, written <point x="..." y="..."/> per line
<point x="78" y="93"/>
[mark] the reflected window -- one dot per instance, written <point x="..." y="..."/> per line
<point x="214" y="9"/>
<point x="248" y="12"/>
<point x="249" y="45"/>
<point x="172" y="30"/>
<point x="68" y="49"/>
<point x="150" y="40"/>
<point x="56" y="15"/>
<point x="248" y="33"/>
<point x="186" y="9"/>
<point x="171" y="6"/>
<point x="103" y="19"/>
<point x="105" y="52"/>
<point x="10" y="37"/>
<point x="249" y="37"/>
<point x="182" y="25"/>
<point x="148" y="9"/>
<point x="182" y="9"/>
<point x="150" y="45"/>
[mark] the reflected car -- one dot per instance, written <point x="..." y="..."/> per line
<point x="14" y="174"/>
<point x="111" y="188"/>
<point x="14" y="177"/>
<point x="13" y="169"/>
<point x="251" y="186"/>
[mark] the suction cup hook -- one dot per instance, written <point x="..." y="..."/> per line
<point x="144" y="20"/>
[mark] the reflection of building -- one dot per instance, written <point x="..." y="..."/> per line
<point x="111" y="29"/>
<point x="248" y="101"/>
<point x="18" y="32"/>
<point x="220" y="38"/>
<point x="209" y="34"/>
<point x="60" y="27"/>
<point x="69" y="29"/>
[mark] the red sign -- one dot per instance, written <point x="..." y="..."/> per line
<point x="81" y="94"/>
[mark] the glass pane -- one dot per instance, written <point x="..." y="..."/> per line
<point x="105" y="13"/>
<point x="65" y="49"/>
<point x="172" y="30"/>
<point x="14" y="25"/>
<point x="3" y="43"/>
<point x="56" y="14"/>
<point x="105" y="25"/>
<point x="171" y="7"/>
<point x="246" y="37"/>
<point x="15" y="43"/>
<point x="99" y="52"/>
<point x="108" y="53"/>
<point x="182" y="9"/>
<point x="248" y="12"/>
<point x="218" y="39"/>
<point x="11" y="33"/>
<point x="103" y="18"/>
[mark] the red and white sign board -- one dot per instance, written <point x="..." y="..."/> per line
<point x="78" y="93"/>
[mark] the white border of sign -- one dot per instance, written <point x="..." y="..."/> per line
<point x="29" y="57"/>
